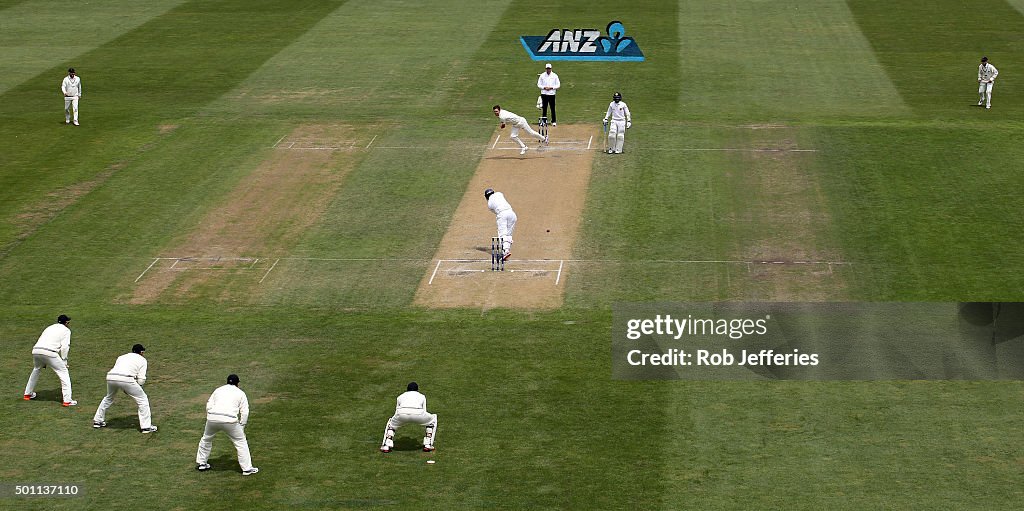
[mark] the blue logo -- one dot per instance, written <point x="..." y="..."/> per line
<point x="584" y="44"/>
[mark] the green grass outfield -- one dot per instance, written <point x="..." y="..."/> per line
<point x="909" y="183"/>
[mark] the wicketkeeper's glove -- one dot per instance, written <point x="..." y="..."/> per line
<point x="629" y="125"/>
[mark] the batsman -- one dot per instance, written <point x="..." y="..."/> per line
<point x="505" y="218"/>
<point x="621" y="121"/>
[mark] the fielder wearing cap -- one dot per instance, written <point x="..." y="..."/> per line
<point x="548" y="84"/>
<point x="987" y="74"/>
<point x="71" y="87"/>
<point x="128" y="375"/>
<point x="411" y="407"/>
<point x="227" y="410"/>
<point x="51" y="350"/>
<point x="518" y="122"/>
<point x="505" y="218"/>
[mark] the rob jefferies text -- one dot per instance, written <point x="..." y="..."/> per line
<point x="816" y="341"/>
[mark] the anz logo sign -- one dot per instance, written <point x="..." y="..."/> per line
<point x="584" y="44"/>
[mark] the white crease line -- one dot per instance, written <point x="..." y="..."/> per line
<point x="279" y="140"/>
<point x="147" y="269"/>
<point x="371" y="141"/>
<point x="729" y="149"/>
<point x="559" y="276"/>
<point x="268" y="271"/>
<point x="254" y="263"/>
<point x="496" y="139"/>
<point x="435" y="272"/>
<point x="590" y="141"/>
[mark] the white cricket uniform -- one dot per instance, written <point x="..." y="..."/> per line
<point x="987" y="74"/>
<point x="518" y="122"/>
<point x="411" y="407"/>
<point x="620" y="120"/>
<point x="72" y="90"/>
<point x="227" y="410"/>
<point x="51" y="350"/>
<point x="127" y="375"/>
<point x="505" y="218"/>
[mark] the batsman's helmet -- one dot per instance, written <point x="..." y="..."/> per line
<point x="488" y="192"/>
<point x="412" y="386"/>
<point x="233" y="379"/>
<point x="617" y="97"/>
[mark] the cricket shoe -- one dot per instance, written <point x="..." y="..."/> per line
<point x="76" y="123"/>
<point x="71" y="403"/>
<point x="988" y="107"/>
<point x="150" y="429"/>
<point x="68" y="121"/>
<point x="29" y="397"/>
<point x="99" y="424"/>
<point x="506" y="257"/>
<point x="250" y="472"/>
<point x="385" y="449"/>
<point x="428" y="448"/>
<point x="554" y="124"/>
<point x="202" y="467"/>
<point x="523" y="150"/>
<point x="545" y="140"/>
<point x="611" y="151"/>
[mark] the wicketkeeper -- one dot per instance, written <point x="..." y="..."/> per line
<point x="411" y="408"/>
<point x="620" y="122"/>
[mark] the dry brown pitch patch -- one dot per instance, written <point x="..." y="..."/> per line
<point x="791" y="240"/>
<point x="547" y="189"/>
<point x="265" y="214"/>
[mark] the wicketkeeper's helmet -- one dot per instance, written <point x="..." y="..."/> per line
<point x="488" y="192"/>
<point x="617" y="97"/>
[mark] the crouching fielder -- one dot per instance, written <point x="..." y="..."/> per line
<point x="128" y="375"/>
<point x="621" y="121"/>
<point x="411" y="408"/>
<point x="227" y="410"/>
<point x="505" y="218"/>
<point x="517" y="122"/>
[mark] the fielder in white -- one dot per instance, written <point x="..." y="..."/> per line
<point x="517" y="122"/>
<point x="504" y="216"/>
<point x="51" y="350"/>
<point x="987" y="74"/>
<point x="411" y="408"/>
<point x="128" y="375"/>
<point x="71" y="87"/>
<point x="621" y="121"/>
<point x="227" y="411"/>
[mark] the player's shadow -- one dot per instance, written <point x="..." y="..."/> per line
<point x="123" y="422"/>
<point x="407" y="444"/>
<point x="224" y="463"/>
<point x="486" y="250"/>
<point x="49" y="395"/>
